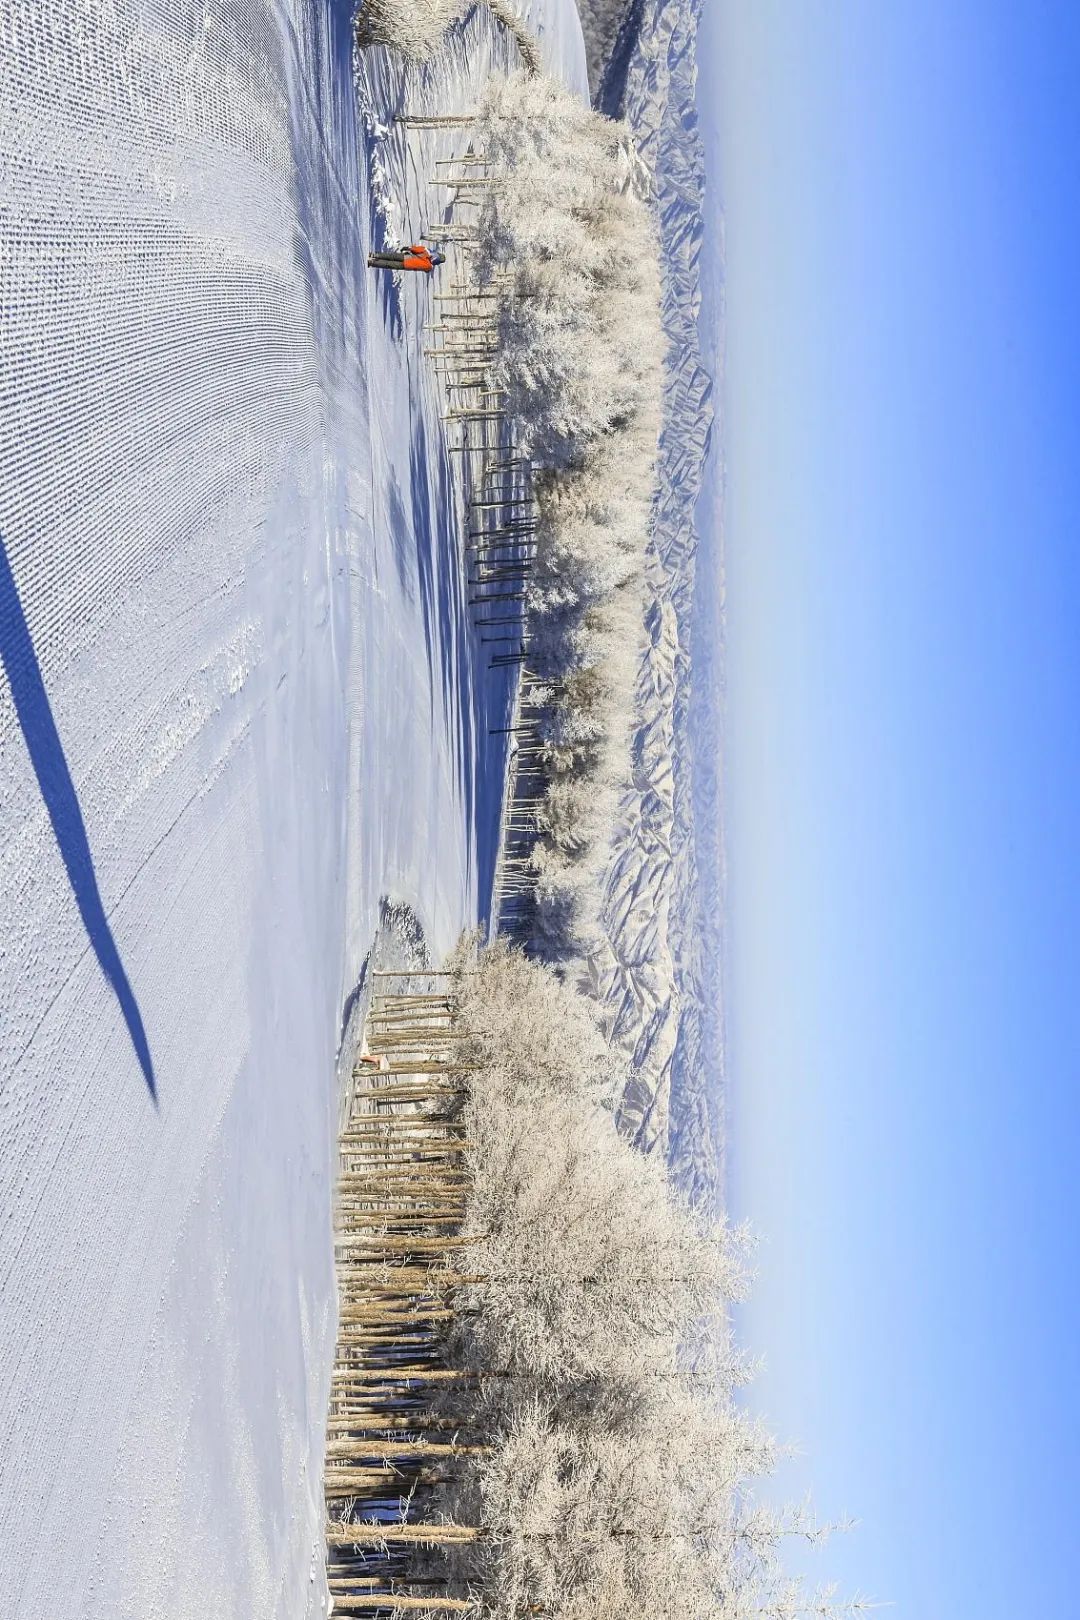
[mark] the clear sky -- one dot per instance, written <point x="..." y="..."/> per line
<point x="901" y="194"/>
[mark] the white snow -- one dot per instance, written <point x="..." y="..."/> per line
<point x="252" y="709"/>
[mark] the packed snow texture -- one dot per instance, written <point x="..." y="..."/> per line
<point x="240" y="704"/>
<point x="658" y="970"/>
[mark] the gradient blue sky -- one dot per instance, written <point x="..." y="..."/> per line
<point x="901" y="194"/>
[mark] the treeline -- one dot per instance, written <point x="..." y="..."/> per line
<point x="562" y="251"/>
<point x="536" y="1405"/>
<point x="563" y="245"/>
<point x="567" y="235"/>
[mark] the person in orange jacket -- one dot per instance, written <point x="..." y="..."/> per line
<point x="416" y="257"/>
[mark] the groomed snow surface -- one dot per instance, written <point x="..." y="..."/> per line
<point x="241" y="703"/>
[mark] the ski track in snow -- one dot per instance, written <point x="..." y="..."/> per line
<point x="239" y="706"/>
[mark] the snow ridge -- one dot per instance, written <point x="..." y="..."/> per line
<point x="649" y="972"/>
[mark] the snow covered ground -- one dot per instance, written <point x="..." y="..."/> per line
<point x="240" y="704"/>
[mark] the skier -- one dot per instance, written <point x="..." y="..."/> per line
<point x="416" y="257"/>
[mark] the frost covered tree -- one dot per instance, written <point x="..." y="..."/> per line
<point x="581" y="1513"/>
<point x="581" y="340"/>
<point x="574" y="1231"/>
<point x="565" y="226"/>
<point x="529" y="1035"/>
<point x="415" y="27"/>
<point x="535" y="1359"/>
<point x="572" y="1228"/>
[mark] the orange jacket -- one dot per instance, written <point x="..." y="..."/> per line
<point x="417" y="257"/>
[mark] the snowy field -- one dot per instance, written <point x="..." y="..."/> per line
<point x="241" y="704"/>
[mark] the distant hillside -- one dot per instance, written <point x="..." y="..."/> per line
<point x="656" y="972"/>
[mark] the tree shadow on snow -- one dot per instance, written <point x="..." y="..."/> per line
<point x="401" y="535"/>
<point x="476" y="695"/>
<point x="446" y="631"/>
<point x="47" y="756"/>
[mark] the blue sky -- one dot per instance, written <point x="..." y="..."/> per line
<point x="901" y="198"/>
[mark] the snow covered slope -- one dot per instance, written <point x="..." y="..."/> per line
<point x="653" y="974"/>
<point x="239" y="704"/>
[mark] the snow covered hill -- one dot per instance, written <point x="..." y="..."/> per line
<point x="656" y="975"/>
<point x="240" y="704"/>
